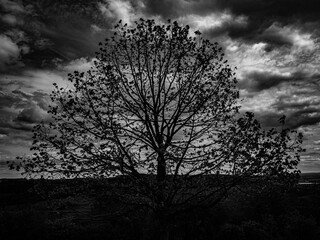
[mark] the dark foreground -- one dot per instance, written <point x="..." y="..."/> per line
<point x="84" y="210"/>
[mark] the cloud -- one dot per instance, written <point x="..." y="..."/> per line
<point x="274" y="35"/>
<point x="287" y="10"/>
<point x="19" y="109"/>
<point x="257" y="10"/>
<point x="66" y="31"/>
<point x="215" y="24"/>
<point x="165" y="9"/>
<point x="28" y="90"/>
<point x="37" y="80"/>
<point x="16" y="142"/>
<point x="306" y="117"/>
<point x="81" y="65"/>
<point x="70" y="40"/>
<point x="8" y="123"/>
<point x="289" y="38"/>
<point x="260" y="80"/>
<point x="277" y="35"/>
<point x="9" y="19"/>
<point x="96" y="29"/>
<point x="12" y="6"/>
<point x="120" y="9"/>
<point x="271" y="95"/>
<point x="24" y="95"/>
<point x="41" y="99"/>
<point x="7" y="100"/>
<point x="3" y="136"/>
<point x="276" y="23"/>
<point x="9" y="51"/>
<point x="302" y="108"/>
<point x="13" y="46"/>
<point x="294" y="120"/>
<point x="31" y="115"/>
<point x="309" y="164"/>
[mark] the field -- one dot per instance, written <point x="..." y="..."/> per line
<point x="70" y="209"/>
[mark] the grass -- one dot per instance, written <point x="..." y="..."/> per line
<point x="71" y="209"/>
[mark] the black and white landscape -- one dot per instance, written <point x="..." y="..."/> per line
<point x="189" y="119"/>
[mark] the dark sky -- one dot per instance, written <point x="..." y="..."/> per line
<point x="273" y="43"/>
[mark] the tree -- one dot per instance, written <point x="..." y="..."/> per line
<point x="160" y="107"/>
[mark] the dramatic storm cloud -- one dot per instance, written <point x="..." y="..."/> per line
<point x="274" y="45"/>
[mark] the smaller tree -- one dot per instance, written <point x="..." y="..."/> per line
<point x="159" y="107"/>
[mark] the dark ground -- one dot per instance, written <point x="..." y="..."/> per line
<point x="70" y="209"/>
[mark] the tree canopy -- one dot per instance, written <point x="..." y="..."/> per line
<point x="160" y="107"/>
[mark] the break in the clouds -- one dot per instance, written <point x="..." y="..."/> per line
<point x="274" y="45"/>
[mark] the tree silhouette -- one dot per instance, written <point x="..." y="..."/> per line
<point x="159" y="107"/>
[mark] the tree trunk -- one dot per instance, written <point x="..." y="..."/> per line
<point x="161" y="169"/>
<point x="161" y="177"/>
<point x="164" y="233"/>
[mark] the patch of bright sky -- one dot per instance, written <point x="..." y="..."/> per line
<point x="311" y="143"/>
<point x="8" y="50"/>
<point x="253" y="56"/>
<point x="211" y="21"/>
<point x="248" y="57"/>
<point x="33" y="80"/>
<point x="80" y="64"/>
<point x="118" y="9"/>
<point x="261" y="102"/>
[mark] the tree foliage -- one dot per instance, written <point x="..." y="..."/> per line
<point x="160" y="107"/>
